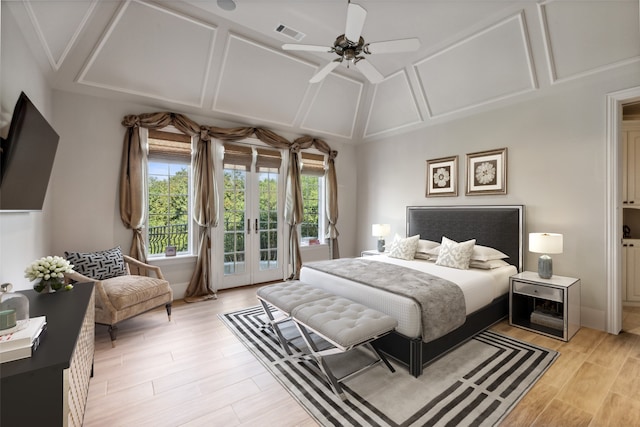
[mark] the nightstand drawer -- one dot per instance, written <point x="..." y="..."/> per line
<point x="535" y="290"/>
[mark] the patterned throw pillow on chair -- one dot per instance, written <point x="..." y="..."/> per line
<point x="100" y="265"/>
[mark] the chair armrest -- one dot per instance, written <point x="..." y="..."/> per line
<point x="141" y="265"/>
<point x="102" y="300"/>
<point x="77" y="277"/>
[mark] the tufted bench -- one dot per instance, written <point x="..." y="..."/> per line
<point x="285" y="297"/>
<point x="341" y="322"/>
<point x="345" y="325"/>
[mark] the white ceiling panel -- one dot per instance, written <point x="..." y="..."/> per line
<point x="138" y="55"/>
<point x="260" y="82"/>
<point x="335" y="107"/>
<point x="193" y="57"/>
<point x="492" y="64"/>
<point x="583" y="37"/>
<point x="58" y="25"/>
<point x="393" y="106"/>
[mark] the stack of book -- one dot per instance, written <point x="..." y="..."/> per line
<point x="551" y="320"/>
<point x="21" y="344"/>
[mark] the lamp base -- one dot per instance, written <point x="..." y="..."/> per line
<point x="545" y="267"/>
<point x="380" y="245"/>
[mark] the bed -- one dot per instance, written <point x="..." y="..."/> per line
<point x="498" y="227"/>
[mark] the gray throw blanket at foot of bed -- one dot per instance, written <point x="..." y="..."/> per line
<point x="442" y="301"/>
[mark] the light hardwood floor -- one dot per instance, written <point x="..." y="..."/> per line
<point x="192" y="371"/>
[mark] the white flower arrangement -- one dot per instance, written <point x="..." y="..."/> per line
<point x="49" y="269"/>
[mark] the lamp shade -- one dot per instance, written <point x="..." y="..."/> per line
<point x="380" y="230"/>
<point x="545" y="243"/>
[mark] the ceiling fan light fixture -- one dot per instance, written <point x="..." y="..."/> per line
<point x="227" y="4"/>
<point x="351" y="51"/>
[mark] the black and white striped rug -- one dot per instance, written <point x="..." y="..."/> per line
<point x="477" y="384"/>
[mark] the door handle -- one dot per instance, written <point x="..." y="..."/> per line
<point x="248" y="226"/>
<point x="256" y="228"/>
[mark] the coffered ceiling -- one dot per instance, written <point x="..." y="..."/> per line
<point x="193" y="57"/>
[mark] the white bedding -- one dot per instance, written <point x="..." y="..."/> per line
<point x="479" y="287"/>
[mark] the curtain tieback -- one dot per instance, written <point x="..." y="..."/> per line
<point x="131" y="121"/>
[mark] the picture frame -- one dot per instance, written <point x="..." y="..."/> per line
<point x="487" y="172"/>
<point x="442" y="177"/>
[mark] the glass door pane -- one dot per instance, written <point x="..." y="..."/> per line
<point x="235" y="227"/>
<point x="268" y="225"/>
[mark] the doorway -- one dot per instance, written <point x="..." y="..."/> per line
<point x="613" y="215"/>
<point x="252" y="194"/>
<point x="631" y="218"/>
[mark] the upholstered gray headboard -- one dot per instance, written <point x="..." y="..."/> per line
<point x="500" y="227"/>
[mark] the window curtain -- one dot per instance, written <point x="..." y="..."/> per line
<point x="294" y="210"/>
<point x="205" y="213"/>
<point x="332" y="204"/>
<point x="132" y="203"/>
<point x="132" y="182"/>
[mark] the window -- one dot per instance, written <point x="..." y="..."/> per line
<point x="312" y="228"/>
<point x="169" y="186"/>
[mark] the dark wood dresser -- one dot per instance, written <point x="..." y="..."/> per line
<point x="50" y="387"/>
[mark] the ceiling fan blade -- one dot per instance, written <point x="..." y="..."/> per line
<point x="324" y="71"/>
<point x="356" y="15"/>
<point x="307" y="47"/>
<point x="369" y="71"/>
<point x="392" y="46"/>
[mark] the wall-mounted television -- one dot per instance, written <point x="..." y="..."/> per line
<point x="26" y="159"/>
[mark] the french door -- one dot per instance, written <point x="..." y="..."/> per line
<point x="252" y="215"/>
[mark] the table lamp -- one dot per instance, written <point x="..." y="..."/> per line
<point x="545" y="244"/>
<point x="380" y="231"/>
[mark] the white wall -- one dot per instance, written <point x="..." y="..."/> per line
<point x="556" y="168"/>
<point x="24" y="237"/>
<point x="86" y="174"/>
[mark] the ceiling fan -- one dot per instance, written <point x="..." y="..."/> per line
<point x="350" y="47"/>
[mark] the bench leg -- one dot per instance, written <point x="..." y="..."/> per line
<point x="333" y="381"/>
<point x="381" y="356"/>
<point x="274" y="325"/>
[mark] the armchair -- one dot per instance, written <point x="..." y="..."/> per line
<point x="120" y="294"/>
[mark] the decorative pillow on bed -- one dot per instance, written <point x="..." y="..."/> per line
<point x="485" y="253"/>
<point x="454" y="254"/>
<point x="424" y="246"/>
<point x="480" y="253"/>
<point x="425" y="256"/>
<point x="488" y="265"/>
<point x="404" y="248"/>
<point x="98" y="265"/>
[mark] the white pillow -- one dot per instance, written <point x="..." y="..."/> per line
<point x="426" y="245"/>
<point x="425" y="256"/>
<point x="480" y="253"/>
<point x="488" y="265"/>
<point x="454" y="254"/>
<point x="404" y="248"/>
<point x="485" y="253"/>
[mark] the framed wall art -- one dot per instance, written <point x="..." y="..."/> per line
<point x="487" y="172"/>
<point x="442" y="177"/>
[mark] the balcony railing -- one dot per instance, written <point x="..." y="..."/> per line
<point x="162" y="236"/>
